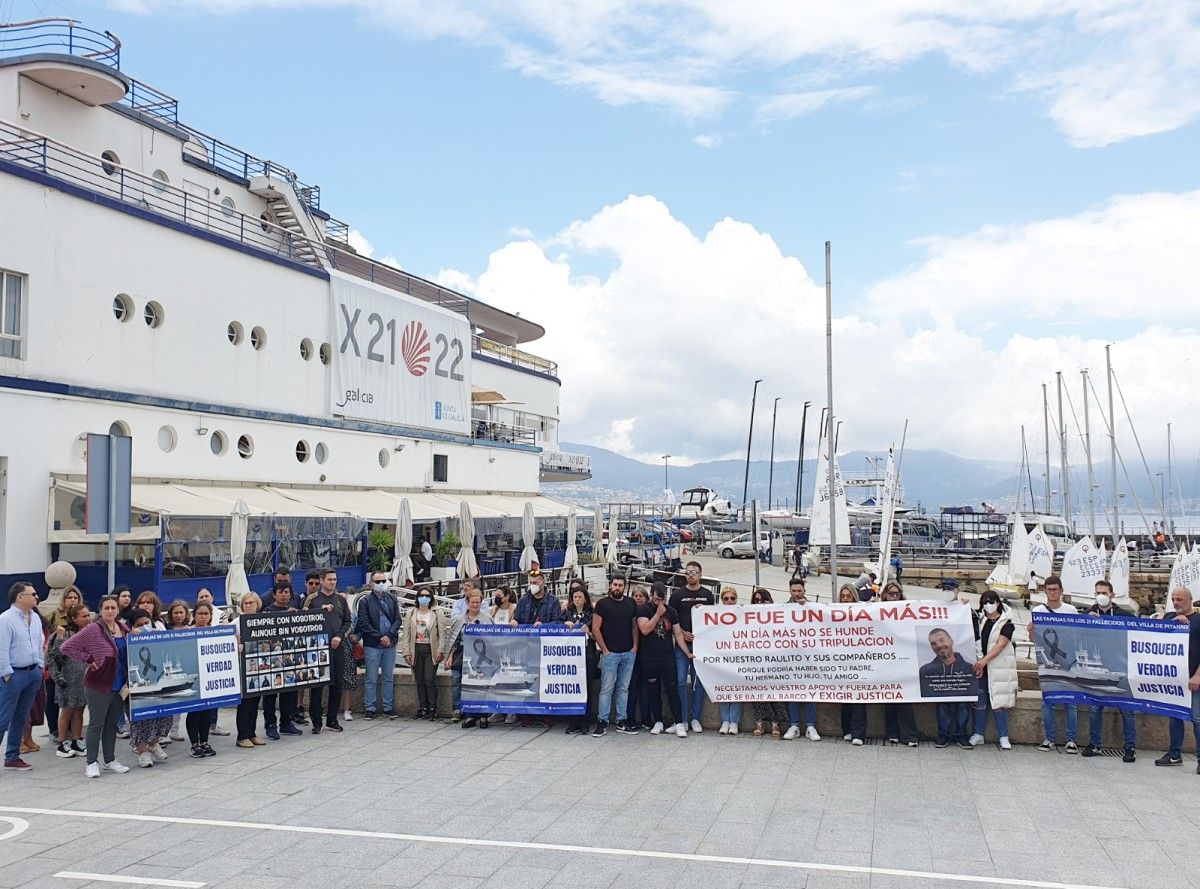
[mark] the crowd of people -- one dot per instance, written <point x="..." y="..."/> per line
<point x="58" y="667"/>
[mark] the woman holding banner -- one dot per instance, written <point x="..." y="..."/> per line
<point x="731" y="713"/>
<point x="199" y="722"/>
<point x="578" y="615"/>
<point x="453" y="653"/>
<point x="899" y="720"/>
<point x="764" y="712"/>
<point x="101" y="646"/>
<point x="247" y="708"/>
<point x="854" y="716"/>
<point x="996" y="668"/>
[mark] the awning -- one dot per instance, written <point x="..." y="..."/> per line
<point x="260" y="500"/>
<point x="479" y="395"/>
<point x="373" y="505"/>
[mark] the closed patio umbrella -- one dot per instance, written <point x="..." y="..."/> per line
<point x="598" y="535"/>
<point x="467" y="566"/>
<point x="611" y="555"/>
<point x="571" y="559"/>
<point x="235" y="579"/>
<point x="528" y="554"/>
<point x="402" y="565"/>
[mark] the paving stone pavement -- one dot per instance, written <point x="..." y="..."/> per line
<point x="705" y="811"/>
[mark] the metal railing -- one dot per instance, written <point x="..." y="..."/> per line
<point x="510" y="355"/>
<point x="482" y="430"/>
<point x="58" y="35"/>
<point x="45" y="155"/>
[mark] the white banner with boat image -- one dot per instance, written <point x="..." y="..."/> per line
<point x="530" y="670"/>
<point x="178" y="671"/>
<point x="1131" y="663"/>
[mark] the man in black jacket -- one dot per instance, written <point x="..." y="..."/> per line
<point x="281" y="602"/>
<point x="337" y="626"/>
<point x="377" y="624"/>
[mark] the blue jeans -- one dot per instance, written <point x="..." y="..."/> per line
<point x="16" y="700"/>
<point x="952" y="720"/>
<point x="616" y="668"/>
<point x="1048" y="721"/>
<point x="1176" y="729"/>
<point x="731" y="713"/>
<point x="684" y="668"/>
<point x="982" y="707"/>
<point x="381" y="666"/>
<point x="1096" y="723"/>
<point x="810" y="714"/>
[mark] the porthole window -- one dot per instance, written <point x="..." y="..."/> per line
<point x="160" y="182"/>
<point x="217" y="443"/>
<point x="153" y="314"/>
<point x="258" y="338"/>
<point x="122" y="307"/>
<point x="245" y="447"/>
<point x="265" y="221"/>
<point x="321" y="452"/>
<point x="234" y="331"/>
<point x="119" y="427"/>
<point x="109" y="163"/>
<point x="385" y="457"/>
<point x="326" y="353"/>
<point x="228" y="207"/>
<point x="306" y="349"/>
<point x="167" y="439"/>
<point x="302" y="451"/>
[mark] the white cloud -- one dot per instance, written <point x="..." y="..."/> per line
<point x="706" y="140"/>
<point x="1133" y="258"/>
<point x="790" y="105"/>
<point x="670" y="340"/>
<point x="1107" y="70"/>
<point x="359" y="243"/>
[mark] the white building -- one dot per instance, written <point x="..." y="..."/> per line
<point x="159" y="283"/>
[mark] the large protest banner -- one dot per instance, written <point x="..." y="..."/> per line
<point x="177" y="671"/>
<point x="869" y="653"/>
<point x="536" y="670"/>
<point x="1131" y="663"/>
<point x="283" y="650"/>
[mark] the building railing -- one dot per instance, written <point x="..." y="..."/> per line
<point x="45" y="155"/>
<point x="60" y="35"/>
<point x="482" y="430"/>
<point x="511" y="355"/>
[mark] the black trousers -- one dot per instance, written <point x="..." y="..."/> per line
<point x="425" y="677"/>
<point x="198" y="723"/>
<point x="900" y="722"/>
<point x="328" y="694"/>
<point x="592" y="676"/>
<point x="660" y="679"/>
<point x="247" y="718"/>
<point x="287" y="708"/>
<point x="854" y="720"/>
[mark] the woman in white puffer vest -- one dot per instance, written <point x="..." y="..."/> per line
<point x="996" y="668"/>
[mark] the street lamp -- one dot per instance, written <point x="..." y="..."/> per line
<point x="666" y="482"/>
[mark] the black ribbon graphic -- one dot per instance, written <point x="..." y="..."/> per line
<point x="1054" y="652"/>
<point x="481" y="656"/>
<point x="148" y="666"/>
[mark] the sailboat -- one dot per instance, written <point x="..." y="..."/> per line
<point x="1082" y="567"/>
<point x="1185" y="572"/>
<point x="818" y="531"/>
<point x="885" y="527"/>
<point x="1118" y="575"/>
<point x="1029" y="552"/>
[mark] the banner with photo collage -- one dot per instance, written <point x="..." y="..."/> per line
<point x="283" y="651"/>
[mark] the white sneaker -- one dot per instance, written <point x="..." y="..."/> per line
<point x="976" y="740"/>
<point x="177" y="735"/>
<point x="724" y="729"/>
<point x="92" y="770"/>
<point x="346" y="717"/>
<point x="847" y="737"/>
<point x="145" y="760"/>
<point x="115" y="766"/>
<point x="510" y="719"/>
<point x="217" y="730"/>
<point x="792" y="733"/>
<point x="680" y="730"/>
<point x="1005" y="744"/>
<point x="857" y="742"/>
<point x="811" y="733"/>
<point x="158" y="753"/>
<point x="696" y="726"/>
<point x="657" y="730"/>
<point x="733" y="728"/>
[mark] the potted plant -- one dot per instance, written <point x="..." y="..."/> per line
<point x="381" y="546"/>
<point x="444" y="552"/>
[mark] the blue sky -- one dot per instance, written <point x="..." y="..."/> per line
<point x="964" y="165"/>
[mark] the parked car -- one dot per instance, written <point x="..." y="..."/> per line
<point x="742" y="546"/>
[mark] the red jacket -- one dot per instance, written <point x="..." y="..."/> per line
<point x="95" y="647"/>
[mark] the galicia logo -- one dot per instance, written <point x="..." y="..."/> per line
<point x="414" y="348"/>
<point x="437" y="410"/>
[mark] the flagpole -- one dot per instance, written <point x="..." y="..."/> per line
<point x="833" y="560"/>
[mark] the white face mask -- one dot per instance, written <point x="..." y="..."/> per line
<point x="951" y="595"/>
<point x="1103" y="600"/>
<point x="991" y="607"/>
<point x="381" y="587"/>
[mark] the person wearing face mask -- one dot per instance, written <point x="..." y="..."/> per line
<point x="421" y="645"/>
<point x="1185" y="612"/>
<point x="1104" y="608"/>
<point x="996" y="669"/>
<point x="281" y="603"/>
<point x="798" y="595"/>
<point x="1055" y="605"/>
<point x="535" y="608"/>
<point x="377" y="624"/>
<point x="452" y="651"/>
<point x="683" y="600"/>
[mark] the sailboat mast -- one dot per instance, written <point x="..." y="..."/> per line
<point x="1046" y="431"/>
<point x="1028" y="472"/>
<point x="771" y="472"/>
<point x="833" y="565"/>
<point x="1168" y="524"/>
<point x="749" y="442"/>
<point x="1112" y="447"/>
<point x="1087" y="450"/>
<point x="1062" y="443"/>
<point x="800" y="459"/>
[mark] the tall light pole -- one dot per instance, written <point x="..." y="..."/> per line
<point x="833" y="560"/>
<point x="771" y="472"/>
<point x="666" y="481"/>
<point x="749" y="441"/>
<point x="800" y="459"/>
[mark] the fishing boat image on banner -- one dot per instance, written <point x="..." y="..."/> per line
<point x="1066" y="663"/>
<point x="171" y="679"/>
<point x="510" y="679"/>
<point x="1085" y="669"/>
